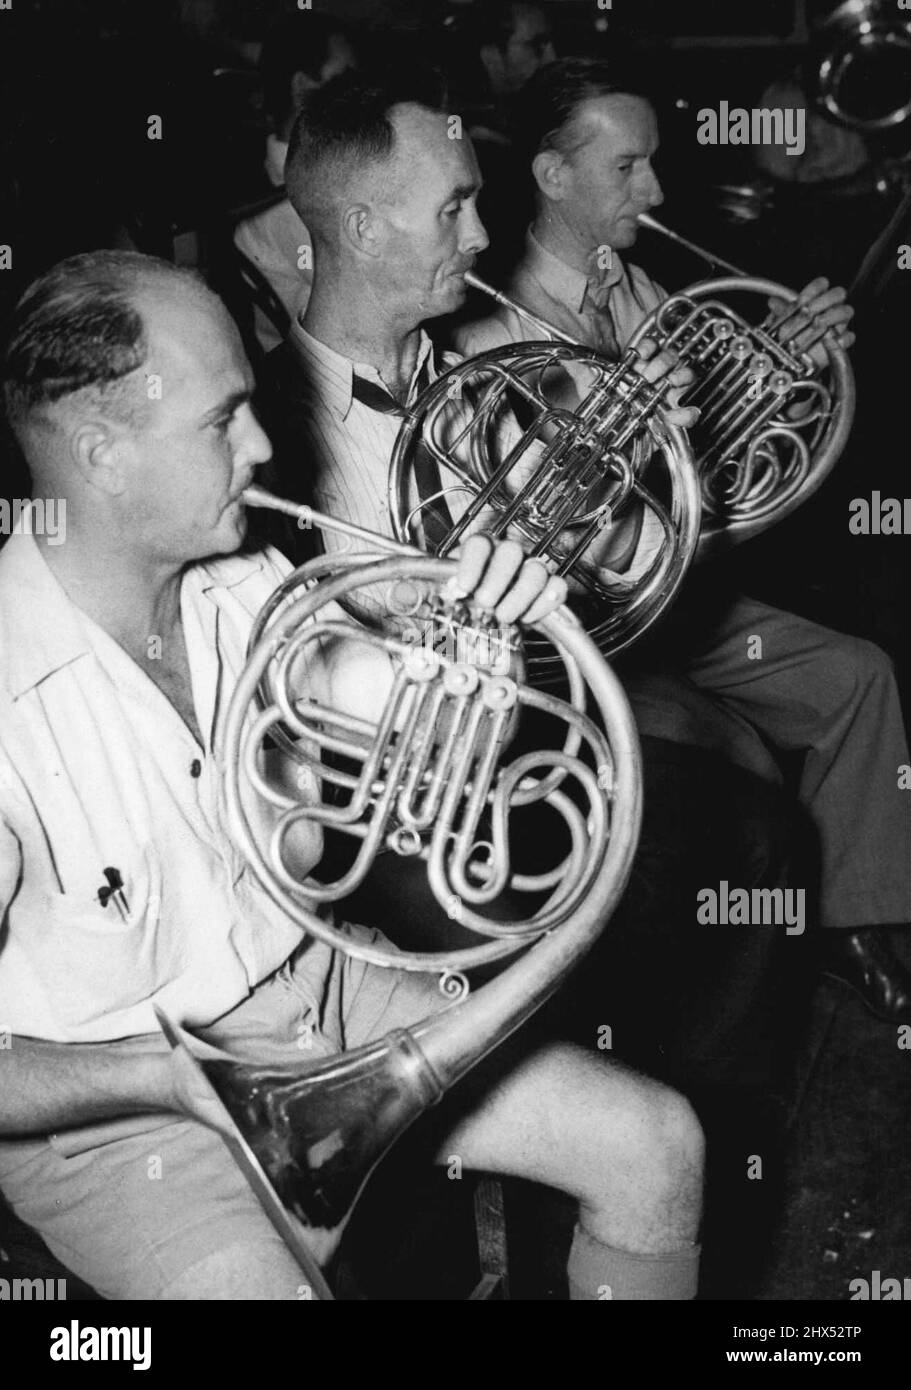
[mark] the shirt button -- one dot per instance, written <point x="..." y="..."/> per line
<point x="195" y="768"/>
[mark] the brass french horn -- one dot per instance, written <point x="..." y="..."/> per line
<point x="432" y="778"/>
<point x="516" y="459"/>
<point x="772" y="425"/>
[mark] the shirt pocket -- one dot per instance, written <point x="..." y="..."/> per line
<point x="95" y="961"/>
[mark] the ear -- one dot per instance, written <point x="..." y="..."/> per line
<point x="99" y="455"/>
<point x="361" y="230"/>
<point x="551" y="172"/>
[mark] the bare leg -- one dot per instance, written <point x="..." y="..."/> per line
<point x="628" y="1148"/>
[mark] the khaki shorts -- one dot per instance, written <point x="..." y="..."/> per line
<point x="131" y="1206"/>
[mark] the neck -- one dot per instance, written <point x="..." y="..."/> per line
<point x="131" y="602"/>
<point x="556" y="235"/>
<point x="353" y="320"/>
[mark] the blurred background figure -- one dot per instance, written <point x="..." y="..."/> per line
<point x="515" y="39"/>
<point x="496" y="47"/>
<point x="831" y="152"/>
<point x="300" y="53"/>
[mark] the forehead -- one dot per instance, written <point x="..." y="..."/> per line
<point x="193" y="345"/>
<point x="614" y="125"/>
<point x="426" y="161"/>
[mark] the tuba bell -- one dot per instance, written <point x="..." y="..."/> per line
<point x="860" y="66"/>
<point x="758" y="461"/>
<point x="431" y="778"/>
<point x="513" y="456"/>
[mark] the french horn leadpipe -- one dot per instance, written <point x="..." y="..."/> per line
<point x="310" y="517"/>
<point x="429" y="777"/>
<point x="772" y="421"/>
<point x="536" y="321"/>
<point x="653" y="225"/>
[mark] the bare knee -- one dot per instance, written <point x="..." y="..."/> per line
<point x="648" y="1191"/>
<point x="634" y="1129"/>
<point x="675" y="1143"/>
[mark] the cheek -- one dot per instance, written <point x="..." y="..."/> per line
<point x="409" y="260"/>
<point x="614" y="194"/>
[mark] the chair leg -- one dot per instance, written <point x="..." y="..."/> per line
<point x="490" y="1225"/>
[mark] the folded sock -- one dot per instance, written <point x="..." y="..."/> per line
<point x="597" y="1271"/>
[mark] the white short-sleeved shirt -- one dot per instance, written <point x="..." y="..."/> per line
<point x="97" y="770"/>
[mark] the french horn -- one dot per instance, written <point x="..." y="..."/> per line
<point x="431" y="777"/>
<point x="559" y="481"/>
<point x="772" y="425"/>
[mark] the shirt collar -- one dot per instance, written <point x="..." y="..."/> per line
<point x="42" y="630"/>
<point x="333" y="374"/>
<point x="561" y="281"/>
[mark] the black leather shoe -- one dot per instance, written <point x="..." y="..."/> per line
<point x="865" y="962"/>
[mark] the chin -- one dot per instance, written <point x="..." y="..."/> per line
<point x="625" y="237"/>
<point x="231" y="535"/>
<point x="446" y="300"/>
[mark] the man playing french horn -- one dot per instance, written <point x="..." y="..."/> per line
<point x="830" y="697"/>
<point x="387" y="185"/>
<point x="395" y="231"/>
<point x="129" y="392"/>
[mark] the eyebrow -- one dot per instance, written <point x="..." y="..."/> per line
<point x="227" y="406"/>
<point x="463" y="191"/>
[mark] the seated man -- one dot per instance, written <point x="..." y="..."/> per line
<point x="829" y="697"/>
<point x="390" y="201"/>
<point x="127" y="386"/>
<point x="300" y="52"/>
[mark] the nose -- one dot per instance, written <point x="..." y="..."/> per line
<point x="254" y="446"/>
<point x="474" y="237"/>
<point x="653" y="191"/>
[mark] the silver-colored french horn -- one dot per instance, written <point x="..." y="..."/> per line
<point x="432" y="778"/>
<point x="772" y="425"/>
<point x="559" y="479"/>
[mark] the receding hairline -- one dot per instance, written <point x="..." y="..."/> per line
<point x="121" y="400"/>
<point x="365" y="178"/>
<point x="586" y="120"/>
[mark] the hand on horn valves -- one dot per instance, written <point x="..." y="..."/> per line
<point x="496" y="576"/>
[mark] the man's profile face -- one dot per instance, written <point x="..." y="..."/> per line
<point x="610" y="179"/>
<point x="530" y="46"/>
<point x="431" y="230"/>
<point x="198" y="445"/>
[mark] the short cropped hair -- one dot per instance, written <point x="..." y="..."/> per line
<point x="345" y="127"/>
<point x="77" y="327"/>
<point x="546" y="107"/>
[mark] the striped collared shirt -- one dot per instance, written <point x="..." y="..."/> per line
<point x="562" y="295"/>
<point x="351" y="444"/>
